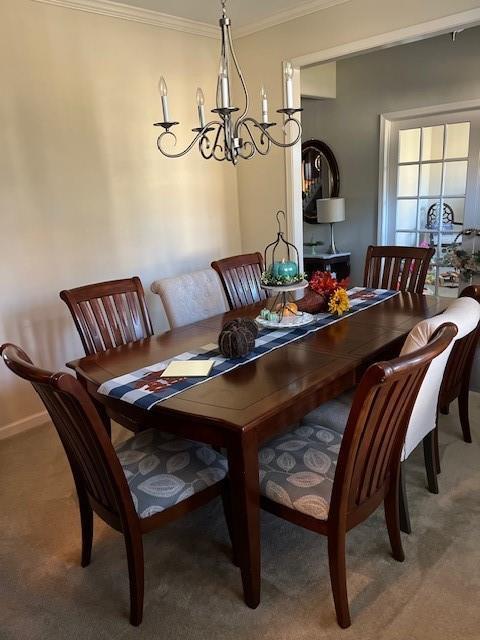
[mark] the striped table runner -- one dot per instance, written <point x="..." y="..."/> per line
<point x="145" y="387"/>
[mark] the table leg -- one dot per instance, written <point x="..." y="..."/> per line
<point x="243" y="474"/>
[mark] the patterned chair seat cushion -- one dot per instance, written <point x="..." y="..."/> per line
<point x="297" y="469"/>
<point x="333" y="414"/>
<point x="162" y="470"/>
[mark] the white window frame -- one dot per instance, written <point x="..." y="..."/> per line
<point x="385" y="212"/>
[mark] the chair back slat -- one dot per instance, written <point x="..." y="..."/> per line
<point x="398" y="268"/>
<point x="387" y="268"/>
<point x="92" y="458"/>
<point x="109" y="314"/>
<point x="460" y="362"/>
<point x="241" y="278"/>
<point x="372" y="444"/>
<point x="113" y="319"/>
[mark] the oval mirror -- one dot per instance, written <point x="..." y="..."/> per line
<point x="320" y="177"/>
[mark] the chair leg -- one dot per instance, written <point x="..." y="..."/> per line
<point x="430" y="462"/>
<point x="392" y="517"/>
<point x="134" y="547"/>
<point x="445" y="410"/>
<point x="86" y="519"/>
<point x="338" y="576"/>
<point x="463" y="411"/>
<point x="227" y="509"/>
<point x="438" y="467"/>
<point x="404" y="513"/>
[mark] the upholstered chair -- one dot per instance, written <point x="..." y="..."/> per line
<point x="191" y="297"/>
<point x="144" y="483"/>
<point x="456" y="381"/>
<point x="465" y="314"/>
<point x="329" y="483"/>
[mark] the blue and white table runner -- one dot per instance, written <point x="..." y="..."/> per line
<point x="145" y="387"/>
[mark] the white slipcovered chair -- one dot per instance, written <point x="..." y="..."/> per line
<point x="191" y="297"/>
<point x="465" y="314"/>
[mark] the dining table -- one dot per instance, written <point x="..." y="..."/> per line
<point x="245" y="407"/>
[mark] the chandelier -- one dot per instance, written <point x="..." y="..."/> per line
<point x="230" y="137"/>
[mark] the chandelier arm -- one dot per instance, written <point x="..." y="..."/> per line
<point x="272" y="140"/>
<point x="250" y="148"/>
<point x="261" y="147"/>
<point x="200" y="134"/>
<point x="207" y="149"/>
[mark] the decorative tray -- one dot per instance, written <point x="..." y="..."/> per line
<point x="286" y="322"/>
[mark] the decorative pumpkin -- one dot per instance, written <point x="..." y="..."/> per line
<point x="237" y="338"/>
<point x="289" y="309"/>
<point x="246" y="323"/>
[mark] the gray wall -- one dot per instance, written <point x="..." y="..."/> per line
<point x="431" y="72"/>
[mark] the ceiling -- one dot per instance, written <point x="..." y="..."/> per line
<point x="246" y="14"/>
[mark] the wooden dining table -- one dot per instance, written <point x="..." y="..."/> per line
<point x="243" y="408"/>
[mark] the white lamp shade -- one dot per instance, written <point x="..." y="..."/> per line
<point x="330" y="210"/>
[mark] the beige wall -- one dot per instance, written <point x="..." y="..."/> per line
<point x="262" y="184"/>
<point x="84" y="194"/>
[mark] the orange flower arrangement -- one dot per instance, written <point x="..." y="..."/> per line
<point x="325" y="292"/>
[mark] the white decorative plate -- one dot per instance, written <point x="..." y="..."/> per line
<point x="287" y="322"/>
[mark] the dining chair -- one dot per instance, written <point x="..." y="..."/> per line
<point x="144" y="483"/>
<point x="240" y="277"/>
<point x="397" y="268"/>
<point x="329" y="484"/>
<point x="191" y="297"/>
<point x="464" y="313"/>
<point x="456" y="381"/>
<point x="107" y="315"/>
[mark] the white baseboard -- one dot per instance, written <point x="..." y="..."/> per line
<point x="24" y="424"/>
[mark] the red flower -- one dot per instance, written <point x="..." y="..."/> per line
<point x="324" y="283"/>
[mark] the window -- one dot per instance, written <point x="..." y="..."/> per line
<point x="432" y="188"/>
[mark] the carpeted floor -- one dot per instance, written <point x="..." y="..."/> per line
<point x="192" y="590"/>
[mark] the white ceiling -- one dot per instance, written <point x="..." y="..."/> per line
<point x="244" y="13"/>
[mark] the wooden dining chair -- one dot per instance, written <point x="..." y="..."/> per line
<point x="315" y="478"/>
<point x="397" y="268"/>
<point x="240" y="277"/>
<point x="107" y="315"/>
<point x="456" y="382"/>
<point x="146" y="482"/>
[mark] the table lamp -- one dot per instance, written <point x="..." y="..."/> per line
<point x="331" y="210"/>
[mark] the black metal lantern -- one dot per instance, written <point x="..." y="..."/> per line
<point x="281" y="279"/>
<point x="284" y="271"/>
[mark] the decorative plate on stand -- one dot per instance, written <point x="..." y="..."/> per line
<point x="280" y="300"/>
<point x="286" y="322"/>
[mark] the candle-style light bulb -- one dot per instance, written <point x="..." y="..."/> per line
<point x="289" y="85"/>
<point x="201" y="107"/>
<point x="162" y="87"/>
<point x="200" y="97"/>
<point x="263" y="95"/>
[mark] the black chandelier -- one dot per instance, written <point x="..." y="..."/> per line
<point x="229" y="137"/>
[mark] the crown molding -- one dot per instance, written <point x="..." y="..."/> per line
<point x="135" y="14"/>
<point x="301" y="9"/>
